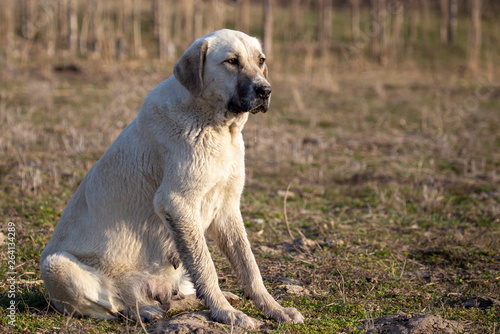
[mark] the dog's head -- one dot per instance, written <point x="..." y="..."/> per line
<point x="227" y="66"/>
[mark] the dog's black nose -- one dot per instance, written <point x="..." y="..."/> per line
<point x="263" y="91"/>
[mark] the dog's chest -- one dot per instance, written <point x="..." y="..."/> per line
<point x="224" y="171"/>
<point x="222" y="153"/>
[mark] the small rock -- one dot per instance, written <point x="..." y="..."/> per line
<point x="200" y="322"/>
<point x="402" y="323"/>
<point x="310" y="141"/>
<point x="282" y="280"/>
<point x="481" y="302"/>
<point x="295" y="289"/>
<point x="197" y="322"/>
<point x="303" y="245"/>
<point x="268" y="250"/>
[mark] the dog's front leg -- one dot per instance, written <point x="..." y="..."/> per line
<point x="193" y="251"/>
<point x="230" y="235"/>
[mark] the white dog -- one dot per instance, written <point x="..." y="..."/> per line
<point x="133" y="235"/>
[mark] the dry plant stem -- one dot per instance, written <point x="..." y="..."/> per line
<point x="139" y="318"/>
<point x="396" y="261"/>
<point x="27" y="282"/>
<point x="342" y="288"/>
<point x="284" y="212"/>
<point x="69" y="319"/>
<point x="402" y="270"/>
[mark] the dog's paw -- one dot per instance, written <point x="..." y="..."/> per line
<point x="285" y="314"/>
<point x="235" y="318"/>
<point x="295" y="316"/>
<point x="148" y="313"/>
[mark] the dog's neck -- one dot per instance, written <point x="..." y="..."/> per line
<point x="216" y="114"/>
<point x="236" y="122"/>
<point x="170" y="100"/>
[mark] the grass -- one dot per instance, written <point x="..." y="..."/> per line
<point x="407" y="211"/>
<point x="394" y="173"/>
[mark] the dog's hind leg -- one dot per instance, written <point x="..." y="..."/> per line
<point x="145" y="296"/>
<point x="76" y="288"/>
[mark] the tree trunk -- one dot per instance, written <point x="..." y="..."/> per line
<point x="414" y="19"/>
<point x="443" y="29"/>
<point x="197" y="20"/>
<point x="28" y="18"/>
<point x="355" y="20"/>
<point x="165" y="46"/>
<point x="124" y="18"/>
<point x="120" y="34"/>
<point x="128" y="10"/>
<point x="452" y="23"/>
<point x="374" y="28"/>
<point x="86" y="26"/>
<point x="187" y="20"/>
<point x="384" y="29"/>
<point x="296" y="25"/>
<point x="7" y="17"/>
<point x="425" y="20"/>
<point x="137" y="29"/>
<point x="378" y="14"/>
<point x="397" y="12"/>
<point x="63" y="21"/>
<point x="215" y="16"/>
<point x="475" y="35"/>
<point x="49" y="27"/>
<point x="325" y="24"/>
<point x="72" y="27"/>
<point x="268" y="27"/>
<point x="106" y="31"/>
<point x="7" y="27"/>
<point x="209" y="16"/>
<point x="243" y="23"/>
<point x="160" y="18"/>
<point x="155" y="15"/>
<point x="96" y="26"/>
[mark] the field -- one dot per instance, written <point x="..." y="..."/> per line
<point x="371" y="190"/>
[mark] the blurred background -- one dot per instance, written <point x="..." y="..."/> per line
<point x="384" y="32"/>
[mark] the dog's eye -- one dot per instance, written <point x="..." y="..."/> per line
<point x="262" y="60"/>
<point x="233" y="61"/>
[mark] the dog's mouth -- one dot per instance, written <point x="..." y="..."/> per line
<point x="254" y="108"/>
<point x="261" y="108"/>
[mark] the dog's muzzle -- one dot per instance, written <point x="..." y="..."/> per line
<point x="254" y="100"/>
<point x="263" y="91"/>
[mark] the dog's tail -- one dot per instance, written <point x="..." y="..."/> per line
<point x="76" y="288"/>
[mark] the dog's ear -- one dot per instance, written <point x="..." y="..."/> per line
<point x="189" y="69"/>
